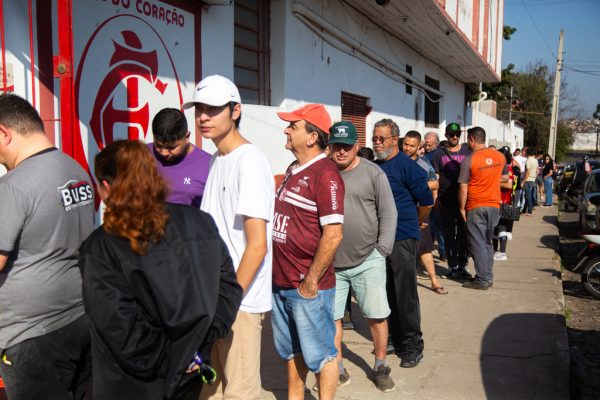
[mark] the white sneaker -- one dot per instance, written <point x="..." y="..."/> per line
<point x="500" y="256"/>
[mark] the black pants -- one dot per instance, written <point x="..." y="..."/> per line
<point x="454" y="230"/>
<point x="54" y="366"/>
<point x="405" y="318"/>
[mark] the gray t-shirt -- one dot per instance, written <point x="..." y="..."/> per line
<point x="47" y="210"/>
<point x="369" y="215"/>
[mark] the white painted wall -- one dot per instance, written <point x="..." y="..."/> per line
<point x="497" y="133"/>
<point x="465" y="17"/>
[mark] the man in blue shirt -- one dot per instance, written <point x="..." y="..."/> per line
<point x="413" y="201"/>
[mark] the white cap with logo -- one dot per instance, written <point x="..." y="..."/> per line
<point x="214" y="90"/>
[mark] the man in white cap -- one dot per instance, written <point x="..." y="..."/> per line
<point x="239" y="195"/>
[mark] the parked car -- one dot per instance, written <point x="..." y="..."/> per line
<point x="586" y="208"/>
<point x="570" y="185"/>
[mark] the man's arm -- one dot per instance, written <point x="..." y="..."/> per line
<point x="255" y="231"/>
<point x="387" y="215"/>
<point x="423" y="213"/>
<point x="506" y="182"/>
<point x="433" y="185"/>
<point x="330" y="241"/>
<point x="3" y="259"/>
<point x="462" y="199"/>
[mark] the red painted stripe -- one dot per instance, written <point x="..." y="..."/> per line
<point x="31" y="54"/>
<point x="486" y="25"/>
<point x="45" y="66"/>
<point x="4" y="88"/>
<point x="475" y="34"/>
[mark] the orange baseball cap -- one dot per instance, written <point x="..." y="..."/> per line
<point x="316" y="114"/>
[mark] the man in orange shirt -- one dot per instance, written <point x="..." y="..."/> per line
<point x="481" y="175"/>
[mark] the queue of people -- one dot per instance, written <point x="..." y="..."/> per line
<point x="195" y="249"/>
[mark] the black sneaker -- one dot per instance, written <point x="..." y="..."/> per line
<point x="382" y="379"/>
<point x="411" y="360"/>
<point x="476" y="284"/>
<point x="456" y="273"/>
<point x="422" y="274"/>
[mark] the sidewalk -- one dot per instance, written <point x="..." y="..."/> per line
<point x="508" y="342"/>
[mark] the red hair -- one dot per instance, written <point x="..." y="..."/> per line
<point x="135" y="207"/>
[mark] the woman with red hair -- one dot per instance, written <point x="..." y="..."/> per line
<point x="158" y="284"/>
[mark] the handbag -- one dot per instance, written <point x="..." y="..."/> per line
<point x="510" y="212"/>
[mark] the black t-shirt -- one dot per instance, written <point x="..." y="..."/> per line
<point x="446" y="163"/>
<point x="547" y="168"/>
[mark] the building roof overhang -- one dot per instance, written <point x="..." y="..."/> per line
<point x="425" y="26"/>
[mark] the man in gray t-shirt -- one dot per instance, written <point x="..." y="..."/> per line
<point x="47" y="211"/>
<point x="369" y="233"/>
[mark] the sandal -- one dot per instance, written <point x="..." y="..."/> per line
<point x="440" y="290"/>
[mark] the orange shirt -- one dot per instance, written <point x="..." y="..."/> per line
<point x="482" y="171"/>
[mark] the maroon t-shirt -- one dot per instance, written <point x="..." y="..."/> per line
<point x="311" y="195"/>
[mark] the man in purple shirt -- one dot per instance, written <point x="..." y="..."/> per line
<point x="183" y="165"/>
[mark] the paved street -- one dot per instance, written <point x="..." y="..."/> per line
<point x="508" y="342"/>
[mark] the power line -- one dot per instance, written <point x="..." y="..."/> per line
<point x="582" y="72"/>
<point x="538" y="29"/>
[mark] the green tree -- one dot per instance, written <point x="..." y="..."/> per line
<point x="507" y="31"/>
<point x="597" y="112"/>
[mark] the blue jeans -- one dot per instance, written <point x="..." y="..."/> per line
<point x="304" y="326"/>
<point x="481" y="222"/>
<point x="529" y="188"/>
<point x="548" y="190"/>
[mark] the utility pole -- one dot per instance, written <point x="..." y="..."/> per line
<point x="554" y="117"/>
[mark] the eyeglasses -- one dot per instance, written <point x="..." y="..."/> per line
<point x="453" y="134"/>
<point x="380" y="139"/>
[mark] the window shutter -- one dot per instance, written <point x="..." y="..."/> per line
<point x="355" y="109"/>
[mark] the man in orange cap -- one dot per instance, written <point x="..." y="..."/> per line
<point x="307" y="230"/>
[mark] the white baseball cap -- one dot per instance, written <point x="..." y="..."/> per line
<point x="214" y="90"/>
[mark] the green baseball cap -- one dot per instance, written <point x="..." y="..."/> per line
<point x="343" y="132"/>
<point x="453" y="127"/>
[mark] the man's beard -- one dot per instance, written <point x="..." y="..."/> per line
<point x="383" y="155"/>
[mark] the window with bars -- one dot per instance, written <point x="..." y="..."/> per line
<point x="432" y="104"/>
<point x="251" y="50"/>
<point x="355" y="109"/>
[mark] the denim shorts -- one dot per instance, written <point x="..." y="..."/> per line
<point x="304" y="326"/>
<point x="368" y="281"/>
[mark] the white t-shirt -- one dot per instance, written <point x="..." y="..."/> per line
<point x="241" y="184"/>
<point x="521" y="160"/>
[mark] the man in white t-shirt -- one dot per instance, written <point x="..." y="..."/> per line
<point x="239" y="195"/>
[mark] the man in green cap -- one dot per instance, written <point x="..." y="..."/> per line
<point x="446" y="164"/>
<point x="369" y="231"/>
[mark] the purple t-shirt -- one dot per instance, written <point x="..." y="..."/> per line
<point x="187" y="178"/>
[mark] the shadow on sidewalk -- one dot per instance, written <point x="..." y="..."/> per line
<point x="520" y="359"/>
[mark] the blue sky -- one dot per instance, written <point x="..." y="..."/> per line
<point x="538" y="24"/>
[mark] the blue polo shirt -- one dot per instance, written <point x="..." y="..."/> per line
<point x="409" y="186"/>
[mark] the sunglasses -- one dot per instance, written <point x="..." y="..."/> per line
<point x="380" y="139"/>
<point x="453" y="134"/>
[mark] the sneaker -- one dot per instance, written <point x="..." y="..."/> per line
<point x="476" y="284"/>
<point x="500" y="256"/>
<point x="343" y="380"/>
<point x="443" y="258"/>
<point x="382" y="379"/>
<point x="459" y="272"/>
<point x="411" y="360"/>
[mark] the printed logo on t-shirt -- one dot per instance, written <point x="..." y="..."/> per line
<point x="187" y="180"/>
<point x="303" y="181"/>
<point x="280" y="223"/>
<point x="488" y="161"/>
<point x="75" y="194"/>
<point x="333" y="190"/>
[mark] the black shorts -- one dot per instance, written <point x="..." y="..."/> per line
<point x="425" y="243"/>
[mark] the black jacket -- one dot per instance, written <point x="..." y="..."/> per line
<point x="150" y="314"/>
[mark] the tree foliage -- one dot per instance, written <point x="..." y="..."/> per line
<point x="597" y="112"/>
<point x="507" y="31"/>
<point x="531" y="104"/>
